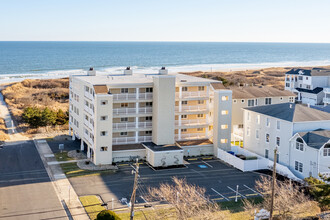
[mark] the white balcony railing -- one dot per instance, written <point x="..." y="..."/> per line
<point x="191" y="122"/>
<point x="326" y="90"/>
<point x="125" y="111"/>
<point x="191" y="136"/>
<point x="145" y="138"/>
<point x="191" y="108"/>
<point x="192" y="94"/>
<point x="130" y="125"/>
<point x="131" y="140"/>
<point x="131" y="96"/>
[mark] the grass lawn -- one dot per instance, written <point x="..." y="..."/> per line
<point x="238" y="206"/>
<point x="63" y="156"/>
<point x="92" y="205"/>
<point x="72" y="170"/>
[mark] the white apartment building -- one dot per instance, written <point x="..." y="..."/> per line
<point x="158" y="117"/>
<point x="311" y="86"/>
<point x="278" y="126"/>
<point x="249" y="96"/>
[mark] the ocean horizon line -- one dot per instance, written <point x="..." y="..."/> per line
<point x="148" y="41"/>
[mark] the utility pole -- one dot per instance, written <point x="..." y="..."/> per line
<point x="273" y="186"/>
<point x="134" y="189"/>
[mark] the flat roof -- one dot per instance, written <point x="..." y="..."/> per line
<point x="127" y="147"/>
<point x="158" y="148"/>
<point x="194" y="142"/>
<point x="245" y="92"/>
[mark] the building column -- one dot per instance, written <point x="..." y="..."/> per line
<point x="137" y="93"/>
<point x="137" y="107"/>
<point x="73" y="136"/>
<point x="82" y="145"/>
<point x="137" y="132"/>
<point x="70" y="131"/>
<point x="179" y="134"/>
<point x="88" y="152"/>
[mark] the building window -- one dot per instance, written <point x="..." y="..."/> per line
<point x="123" y="133"/>
<point x="104" y="133"/>
<point x="86" y="117"/>
<point x="326" y="150"/>
<point x="281" y="98"/>
<point x="183" y="130"/>
<point x="123" y="105"/>
<point x="200" y="115"/>
<point x="104" y="148"/>
<point x="277" y="158"/>
<point x="268" y="101"/>
<point x="184" y="89"/>
<point x="104" y="102"/>
<point x="266" y="153"/>
<point x="267" y="122"/>
<point x="298" y="166"/>
<point x="124" y="90"/>
<point x="149" y="90"/>
<point x="224" y="112"/>
<point x="308" y="87"/>
<point x="201" y="88"/>
<point x="200" y="129"/>
<point x="183" y="116"/>
<point x="267" y="138"/>
<point x="300" y="144"/>
<point x="234" y="101"/>
<point x="123" y="119"/>
<point x="224" y="141"/>
<point x="200" y="102"/>
<point x="258" y="119"/>
<point x="287" y="84"/>
<point x="184" y="102"/>
<point x="247" y="131"/>
<point x="240" y="126"/>
<point x="224" y="98"/>
<point x="242" y="101"/>
<point x="251" y="102"/>
<point x="278" y="125"/>
<point x="149" y="104"/>
<point x="257" y="134"/>
<point x="256" y="103"/>
<point x="291" y="99"/>
<point x="86" y="88"/>
<point x="300" y="77"/>
<point x="86" y="103"/>
<point x="224" y="127"/>
<point x="278" y="139"/>
<point x="148" y="132"/>
<point x="103" y="118"/>
<point x="148" y="118"/>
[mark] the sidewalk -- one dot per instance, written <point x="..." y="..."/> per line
<point x="62" y="185"/>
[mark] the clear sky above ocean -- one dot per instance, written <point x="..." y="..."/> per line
<point x="165" y="20"/>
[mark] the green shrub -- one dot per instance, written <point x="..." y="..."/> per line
<point x="107" y="215"/>
<point x="36" y="117"/>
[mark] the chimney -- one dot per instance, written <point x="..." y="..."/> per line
<point x="163" y="71"/>
<point x="91" y="72"/>
<point x="128" y="71"/>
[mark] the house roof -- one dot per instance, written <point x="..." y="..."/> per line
<point x="317" y="90"/>
<point x="291" y="112"/>
<point x="258" y="91"/>
<point x="312" y="72"/>
<point x="101" y="89"/>
<point x="323" y="108"/>
<point x="315" y="139"/>
<point x="217" y="86"/>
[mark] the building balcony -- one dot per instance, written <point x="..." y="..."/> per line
<point x="127" y="111"/>
<point x="191" y="108"/>
<point x="88" y="95"/>
<point x="326" y="90"/>
<point x="198" y="94"/>
<point x="192" y="122"/>
<point x="191" y="136"/>
<point x="88" y="110"/>
<point x="132" y="96"/>
<point x="131" y="125"/>
<point x="131" y="140"/>
<point x="326" y="100"/>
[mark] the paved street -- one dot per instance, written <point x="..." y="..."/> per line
<point x="219" y="180"/>
<point x="25" y="188"/>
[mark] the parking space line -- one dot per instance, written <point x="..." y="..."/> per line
<point x="207" y="158"/>
<point x="253" y="190"/>
<point x="231" y="197"/>
<point x="207" y="164"/>
<point x="235" y="192"/>
<point x="253" y="194"/>
<point x="216" y="199"/>
<point x="192" y="159"/>
<point x="219" y="194"/>
<point x="122" y="165"/>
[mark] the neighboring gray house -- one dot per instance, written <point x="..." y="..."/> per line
<point x="270" y="126"/>
<point x="311" y="86"/>
<point x="310" y="153"/>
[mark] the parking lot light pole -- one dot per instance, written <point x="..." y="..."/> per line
<point x="236" y="193"/>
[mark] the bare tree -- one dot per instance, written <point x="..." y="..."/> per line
<point x="289" y="201"/>
<point x="189" y="201"/>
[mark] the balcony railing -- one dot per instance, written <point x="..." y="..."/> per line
<point x="192" y="122"/>
<point x="192" y="94"/>
<point x="144" y="110"/>
<point x="326" y="100"/>
<point x="191" y="108"/>
<point x="131" y="140"/>
<point x="326" y="90"/>
<point x="131" y="96"/>
<point x="191" y="136"/>
<point x="119" y="126"/>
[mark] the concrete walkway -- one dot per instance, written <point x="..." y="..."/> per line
<point x="62" y="185"/>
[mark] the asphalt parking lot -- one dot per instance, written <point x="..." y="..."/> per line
<point x="219" y="180"/>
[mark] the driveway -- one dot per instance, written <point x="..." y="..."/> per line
<point x="25" y="188"/>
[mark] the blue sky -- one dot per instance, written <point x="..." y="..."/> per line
<point x="166" y="20"/>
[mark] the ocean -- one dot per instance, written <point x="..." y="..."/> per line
<point x="57" y="59"/>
